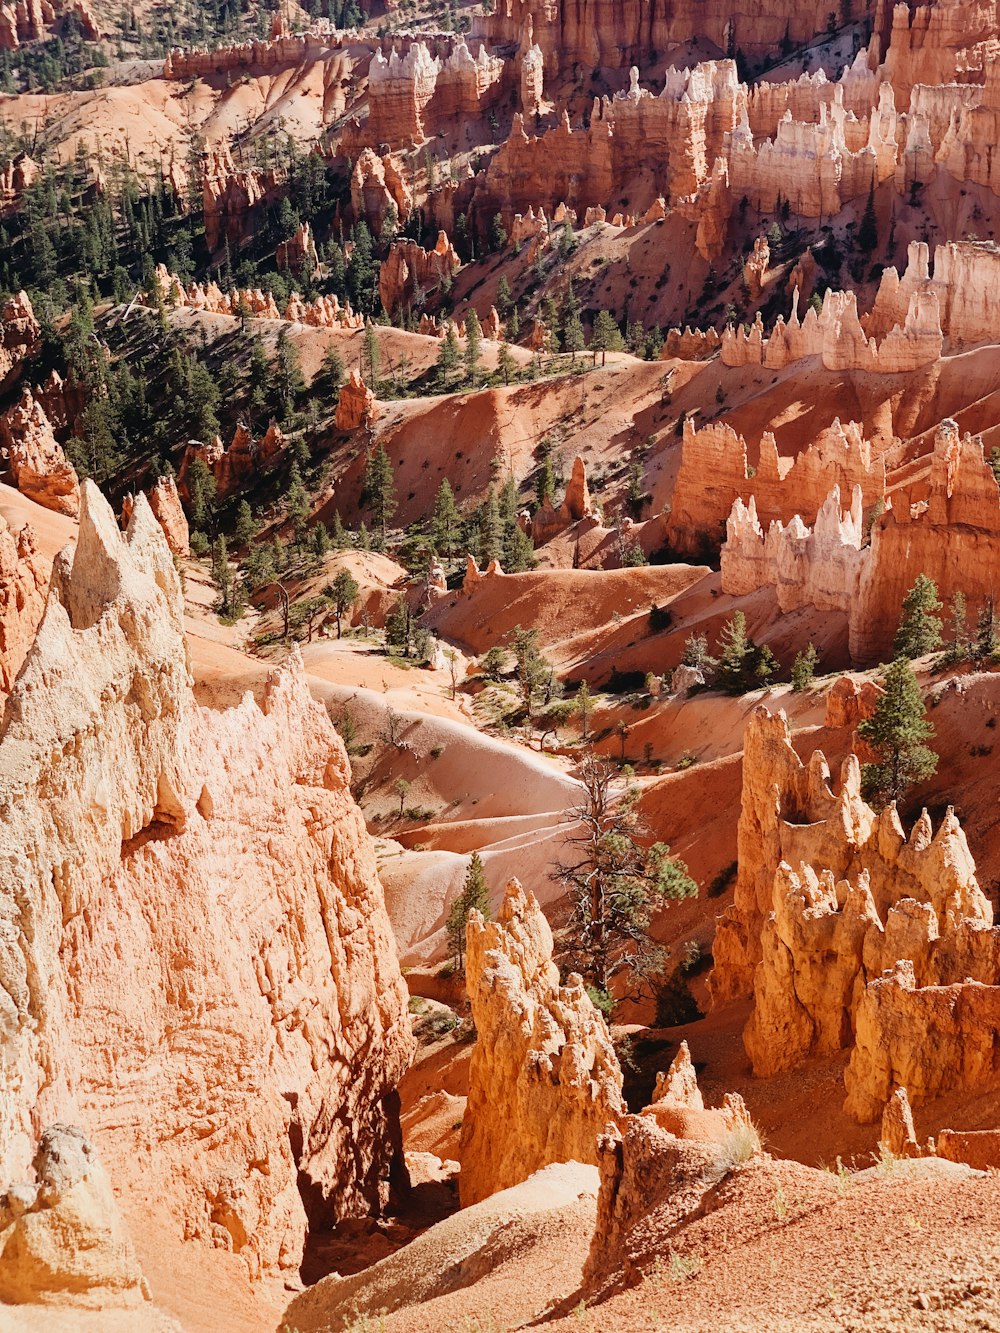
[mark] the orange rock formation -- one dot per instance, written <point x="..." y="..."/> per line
<point x="544" y="1079"/>
<point x="23" y="582"/>
<point x="231" y="1045"/>
<point x="40" y="468"/>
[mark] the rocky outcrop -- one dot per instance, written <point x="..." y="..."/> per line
<point x="235" y="467"/>
<point x="62" y="1238"/>
<point x="544" y="1079"/>
<point x="409" y="273"/>
<point x="631" y="138"/>
<point x="406" y="90"/>
<point x="231" y="197"/>
<point x="376" y="184"/>
<point x="37" y="462"/>
<point x="298" y="254"/>
<point x="548" y="520"/>
<point x="790" y="814"/>
<point x="964" y="280"/>
<point x="20" y="338"/>
<point x="837" y="337"/>
<point x="283" y="50"/>
<point x="755" y="267"/>
<point x="663" y="1163"/>
<point x="714" y="473"/>
<point x="15" y="177"/>
<point x="870" y="941"/>
<point x="209" y="986"/>
<point x="356" y="404"/>
<point x="943" y="522"/>
<point x="24" y="578"/>
<point x="817" y="567"/>
<point x="165" y="502"/>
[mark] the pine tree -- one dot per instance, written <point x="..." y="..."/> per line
<point x="896" y="732"/>
<point x="868" y="230"/>
<point x="344" y="591"/>
<point x="606" y="336"/>
<point x="371" y="357"/>
<point x="919" y="629"/>
<point x="985" y="645"/>
<point x="473" y="345"/>
<point x="505" y="303"/>
<point x="333" y="368"/>
<point x="245" y="529"/>
<point x="573" y="339"/>
<point x="583" y="708"/>
<point x="735" y="653"/>
<point x="490" y="531"/>
<point x="297" y="498"/>
<point x="448" y="355"/>
<point x="506" y="364"/>
<point x="445" y="520"/>
<point x="474" y="896"/>
<point x="380" y="491"/>
<point x="804" y="668"/>
<point x="338" y="535"/>
<point x="518" y="549"/>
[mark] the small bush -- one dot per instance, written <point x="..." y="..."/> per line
<point x="722" y="880"/>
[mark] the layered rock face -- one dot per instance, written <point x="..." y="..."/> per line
<point x="964" y="279"/>
<point x="945" y="523"/>
<point x="405" y="90"/>
<point x="789" y="813"/>
<point x="165" y="502"/>
<point x="856" y="937"/>
<point x="713" y="475"/>
<point x="230" y="194"/>
<point x="24" y="579"/>
<point x="376" y="183"/>
<point x="208" y="985"/>
<point x="320" y="312"/>
<point x="40" y="468"/>
<point x="817" y="567"/>
<point x="544" y="1079"/>
<point x="233" y="468"/>
<point x="409" y="268"/>
<point x="63" y="1239"/>
<point x="836" y="335"/>
<point x="20" y="337"/>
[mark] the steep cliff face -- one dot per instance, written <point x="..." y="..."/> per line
<point x="544" y="1078"/>
<point x="197" y="965"/>
<point x="23" y="580"/>
<point x="40" y="467"/>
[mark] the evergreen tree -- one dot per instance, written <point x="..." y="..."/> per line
<point x="615" y="882"/>
<point x="399" y="626"/>
<point x="244" y="529"/>
<point x="896" y="732"/>
<point x="289" y="381"/>
<point x="445" y="521"/>
<point x="504" y="302"/>
<point x="919" y="629"/>
<point x="573" y="339"/>
<point x="518" y="549"/>
<point x="583" y="708"/>
<point x="448" y="355"/>
<point x="985" y="645"/>
<point x="490" y="529"/>
<point x="475" y="896"/>
<point x="371" y="357"/>
<point x="735" y="654"/>
<point x="804" y="668"/>
<point x="606" y="336"/>
<point x="344" y="591"/>
<point x="473" y="345"/>
<point x="868" y="230"/>
<point x="506" y="364"/>
<point x="297" y="499"/>
<point x="533" y="672"/>
<point x="380" y="492"/>
<point x="333" y="368"/>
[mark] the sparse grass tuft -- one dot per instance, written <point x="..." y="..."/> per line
<point x="742" y="1145"/>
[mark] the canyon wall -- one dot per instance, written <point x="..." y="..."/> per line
<point x="199" y="969"/>
<point x="851" y="935"/>
<point x="714" y="473"/>
<point x="24" y="578"/>
<point x="544" y="1079"/>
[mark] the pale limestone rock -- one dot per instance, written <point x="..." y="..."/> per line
<point x="165" y="502"/>
<point x="544" y="1078"/>
<point x="898" y="1135"/>
<point x="62" y="1239"/>
<point x="209" y="987"/>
